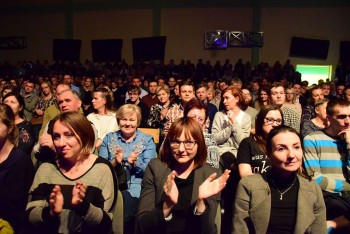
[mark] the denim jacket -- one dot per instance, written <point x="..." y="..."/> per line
<point x="142" y="142"/>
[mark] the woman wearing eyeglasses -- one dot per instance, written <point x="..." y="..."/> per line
<point x="283" y="200"/>
<point x="180" y="193"/>
<point x="251" y="157"/>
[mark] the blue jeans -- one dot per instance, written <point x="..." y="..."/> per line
<point x="130" y="208"/>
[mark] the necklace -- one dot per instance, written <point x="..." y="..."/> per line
<point x="282" y="193"/>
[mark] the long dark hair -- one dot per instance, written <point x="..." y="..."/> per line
<point x="266" y="89"/>
<point x="260" y="135"/>
<point x="284" y="129"/>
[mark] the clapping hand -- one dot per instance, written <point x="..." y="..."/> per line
<point x="211" y="187"/>
<point x="170" y="189"/>
<point x="56" y="201"/>
<point x="118" y="155"/>
<point x="171" y="192"/>
<point x="78" y="193"/>
<point x="133" y="157"/>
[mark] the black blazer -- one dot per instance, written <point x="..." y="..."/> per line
<point x="150" y="217"/>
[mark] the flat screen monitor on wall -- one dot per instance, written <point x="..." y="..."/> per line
<point x="107" y="50"/>
<point x="309" y="48"/>
<point x="314" y="73"/>
<point x="66" y="49"/>
<point x="148" y="48"/>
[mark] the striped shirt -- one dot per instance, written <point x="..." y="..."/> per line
<point x="326" y="157"/>
<point x="95" y="213"/>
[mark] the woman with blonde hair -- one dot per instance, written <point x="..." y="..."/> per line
<point x="129" y="150"/>
<point x="212" y="97"/>
<point x="158" y="111"/>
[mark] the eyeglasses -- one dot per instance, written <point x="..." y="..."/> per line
<point x="189" y="144"/>
<point x="272" y="120"/>
<point x="199" y="119"/>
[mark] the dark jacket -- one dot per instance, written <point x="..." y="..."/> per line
<point x="150" y="217"/>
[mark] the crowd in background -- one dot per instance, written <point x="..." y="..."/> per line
<point x="235" y="108"/>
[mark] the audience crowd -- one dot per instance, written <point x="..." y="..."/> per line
<point x="241" y="149"/>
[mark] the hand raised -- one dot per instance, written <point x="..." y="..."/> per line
<point x="171" y="190"/>
<point x="118" y="155"/>
<point x="231" y="116"/>
<point x="56" y="201"/>
<point x="133" y="157"/>
<point x="211" y="187"/>
<point x="78" y="193"/>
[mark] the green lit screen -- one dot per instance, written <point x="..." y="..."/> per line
<point x="314" y="73"/>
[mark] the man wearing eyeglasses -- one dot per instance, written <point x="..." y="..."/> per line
<point x="278" y="97"/>
<point x="327" y="158"/>
<point x="134" y="93"/>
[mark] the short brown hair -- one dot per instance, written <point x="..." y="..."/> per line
<point x="134" y="89"/>
<point x="190" y="127"/>
<point x="336" y="102"/>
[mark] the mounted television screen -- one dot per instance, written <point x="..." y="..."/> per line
<point x="66" y="49"/>
<point x="309" y="48"/>
<point x="107" y="50"/>
<point x="148" y="48"/>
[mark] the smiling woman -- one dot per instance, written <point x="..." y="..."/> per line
<point x="75" y="193"/>
<point x="129" y="150"/>
<point x="180" y="193"/>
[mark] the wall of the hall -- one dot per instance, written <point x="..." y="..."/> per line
<point x="184" y="28"/>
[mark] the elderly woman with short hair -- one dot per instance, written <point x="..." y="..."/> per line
<point x="129" y="150"/>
